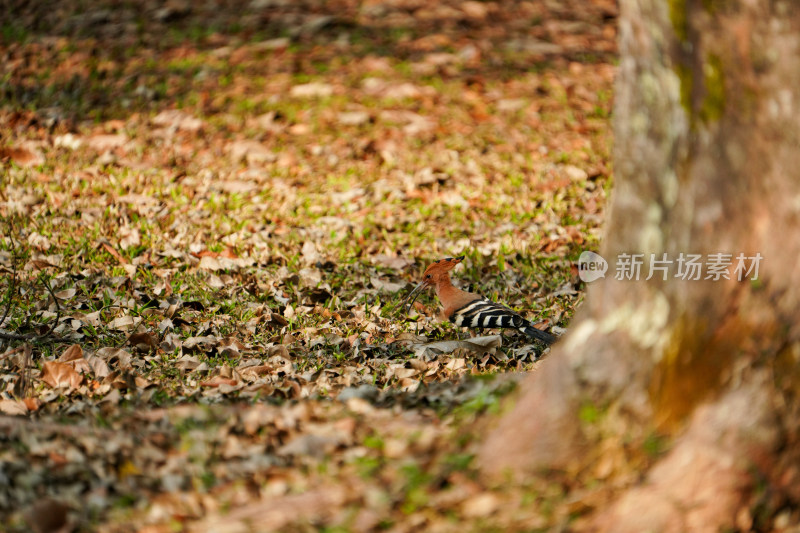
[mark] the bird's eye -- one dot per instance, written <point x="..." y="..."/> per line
<point x="428" y="276"/>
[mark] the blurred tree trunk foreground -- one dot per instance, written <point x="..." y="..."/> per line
<point x="707" y="161"/>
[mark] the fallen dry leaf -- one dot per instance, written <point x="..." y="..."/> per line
<point x="216" y="381"/>
<point x="23" y="156"/>
<point x="143" y="341"/>
<point x="103" y="142"/>
<point x="48" y="516"/>
<point x="13" y="407"/>
<point x="59" y="375"/>
<point x="478" y="345"/>
<point x="110" y="249"/>
<point x="71" y="354"/>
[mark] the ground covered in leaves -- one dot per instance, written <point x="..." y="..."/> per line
<point x="211" y="213"/>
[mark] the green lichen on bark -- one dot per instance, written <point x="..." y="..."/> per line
<point x="684" y="74"/>
<point x="712" y="105"/>
<point x="714" y="85"/>
<point x="709" y="79"/>
<point x="714" y="6"/>
<point x="679" y="19"/>
<point x="689" y="370"/>
<point x="787" y="369"/>
<point x="680" y="25"/>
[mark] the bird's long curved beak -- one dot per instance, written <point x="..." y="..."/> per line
<point x="412" y="296"/>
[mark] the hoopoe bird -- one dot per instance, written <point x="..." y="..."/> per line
<point x="467" y="309"/>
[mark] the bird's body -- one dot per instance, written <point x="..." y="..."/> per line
<point x="471" y="310"/>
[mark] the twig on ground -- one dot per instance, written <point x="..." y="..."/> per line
<point x="12" y="284"/>
<point x="11" y="352"/>
<point x="58" y="308"/>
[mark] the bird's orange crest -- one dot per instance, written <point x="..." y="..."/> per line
<point x="443" y="265"/>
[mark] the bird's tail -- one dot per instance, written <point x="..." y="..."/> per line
<point x="538" y="334"/>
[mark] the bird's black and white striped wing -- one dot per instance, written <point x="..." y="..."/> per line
<point x="483" y="313"/>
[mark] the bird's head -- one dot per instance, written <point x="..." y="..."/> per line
<point x="436" y="272"/>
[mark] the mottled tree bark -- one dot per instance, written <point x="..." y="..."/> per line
<point x="707" y="160"/>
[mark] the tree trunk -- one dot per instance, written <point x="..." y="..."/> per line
<point x="707" y="161"/>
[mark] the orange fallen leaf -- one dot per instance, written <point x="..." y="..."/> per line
<point x="22" y="156"/>
<point x="32" y="404"/>
<point x="13" y="407"/>
<point x="57" y="459"/>
<point x="216" y="381"/>
<point x="41" y="264"/>
<point x="259" y="370"/>
<point x="228" y="253"/>
<point x="72" y="353"/>
<point x="59" y="375"/>
<point x="110" y="249"/>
